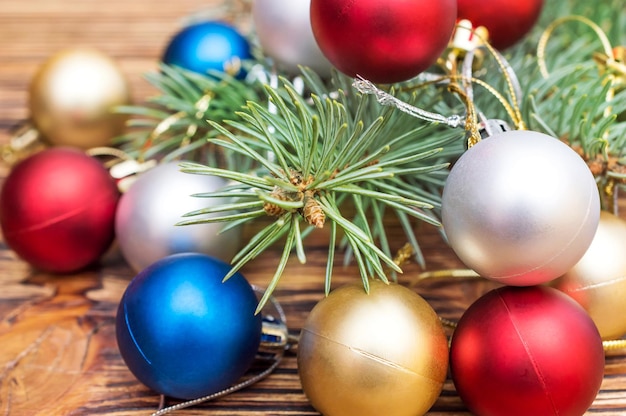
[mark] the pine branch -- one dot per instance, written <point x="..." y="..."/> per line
<point x="317" y="160"/>
<point x="176" y="123"/>
<point x="330" y="157"/>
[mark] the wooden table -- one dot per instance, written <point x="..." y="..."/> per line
<point x="58" y="354"/>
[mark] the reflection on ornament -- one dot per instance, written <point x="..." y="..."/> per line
<point x="285" y="34"/>
<point x="506" y="21"/>
<point x="526" y="351"/>
<point x="598" y="280"/>
<point x="73" y="95"/>
<point x="155" y="202"/>
<point x="382" y="353"/>
<point x="57" y="210"/>
<point x="520" y="208"/>
<point x="206" y="46"/>
<point x="184" y="333"/>
<point x="380" y="40"/>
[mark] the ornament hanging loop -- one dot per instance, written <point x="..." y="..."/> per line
<point x="471" y="120"/>
<point x="25" y="140"/>
<point x="122" y="167"/>
<point x="467" y="45"/>
<point x="543" y="40"/>
<point x="608" y="60"/>
<point x="513" y="85"/>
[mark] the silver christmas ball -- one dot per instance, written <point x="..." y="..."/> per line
<point x="154" y="203"/>
<point x="284" y="32"/>
<point x="520" y="208"/>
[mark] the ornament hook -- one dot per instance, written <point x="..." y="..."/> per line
<point x="25" y="140"/>
<point x="123" y="168"/>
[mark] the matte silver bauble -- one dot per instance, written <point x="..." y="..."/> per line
<point x="520" y="208"/>
<point x="284" y="32"/>
<point x="154" y="203"/>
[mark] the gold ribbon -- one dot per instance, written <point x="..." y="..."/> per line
<point x="24" y="141"/>
<point x="543" y="40"/>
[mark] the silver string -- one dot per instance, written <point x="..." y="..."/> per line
<point x="367" y="87"/>
<point x="467" y="74"/>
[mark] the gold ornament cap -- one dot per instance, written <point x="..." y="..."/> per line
<point x="382" y="353"/>
<point x="73" y="95"/>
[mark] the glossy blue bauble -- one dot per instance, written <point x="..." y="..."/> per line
<point x="184" y="333"/>
<point x="208" y="46"/>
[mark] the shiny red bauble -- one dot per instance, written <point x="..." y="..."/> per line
<point x="507" y="21"/>
<point x="57" y="210"/>
<point x="526" y="351"/>
<point x="384" y="41"/>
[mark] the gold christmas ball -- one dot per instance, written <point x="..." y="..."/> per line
<point x="382" y="353"/>
<point x="72" y="97"/>
<point x="598" y="280"/>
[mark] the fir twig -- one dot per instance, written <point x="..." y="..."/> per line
<point x="315" y="159"/>
<point x="175" y="123"/>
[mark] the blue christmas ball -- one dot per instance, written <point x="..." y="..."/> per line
<point x="208" y="46"/>
<point x="182" y="331"/>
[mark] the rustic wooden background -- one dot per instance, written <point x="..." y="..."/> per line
<point x="58" y="354"/>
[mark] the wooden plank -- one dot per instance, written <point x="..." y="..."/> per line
<point x="58" y="354"/>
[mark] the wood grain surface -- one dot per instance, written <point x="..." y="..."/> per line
<point x="58" y="354"/>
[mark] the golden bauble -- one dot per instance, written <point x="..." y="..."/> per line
<point x="598" y="280"/>
<point x="382" y="353"/>
<point x="73" y="95"/>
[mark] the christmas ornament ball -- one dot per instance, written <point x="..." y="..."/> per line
<point x="526" y="351"/>
<point x="506" y="21"/>
<point x="520" y="208"/>
<point x="184" y="333"/>
<point x="284" y="33"/>
<point x="73" y="95"/>
<point x="598" y="281"/>
<point x="209" y="45"/>
<point x="57" y="210"/>
<point x="382" y="353"/>
<point x="148" y="212"/>
<point x="384" y="41"/>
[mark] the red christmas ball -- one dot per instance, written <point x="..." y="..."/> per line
<point x="384" y="41"/>
<point x="507" y="21"/>
<point x="57" y="210"/>
<point x="526" y="351"/>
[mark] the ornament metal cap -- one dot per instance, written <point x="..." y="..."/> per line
<point x="25" y="141"/>
<point x="274" y="332"/>
<point x="466" y="37"/>
<point x="491" y="127"/>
